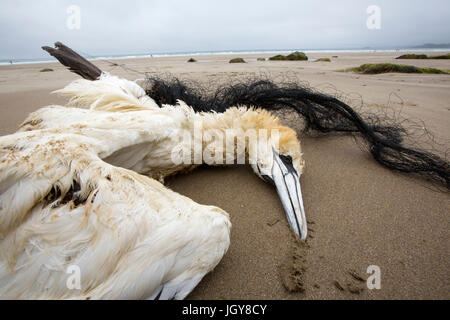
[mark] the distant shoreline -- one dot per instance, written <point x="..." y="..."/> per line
<point x="6" y="62"/>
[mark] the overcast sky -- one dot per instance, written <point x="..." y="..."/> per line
<point x="152" y="26"/>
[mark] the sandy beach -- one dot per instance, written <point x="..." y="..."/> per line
<point x="360" y="214"/>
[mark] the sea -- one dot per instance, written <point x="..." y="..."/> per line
<point x="205" y="53"/>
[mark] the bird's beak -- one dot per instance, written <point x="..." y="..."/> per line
<point x="287" y="182"/>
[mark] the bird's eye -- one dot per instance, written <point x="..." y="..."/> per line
<point x="286" y="159"/>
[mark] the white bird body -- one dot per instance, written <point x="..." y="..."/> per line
<point x="129" y="236"/>
<point x="76" y="189"/>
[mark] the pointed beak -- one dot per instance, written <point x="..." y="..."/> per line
<point x="287" y="182"/>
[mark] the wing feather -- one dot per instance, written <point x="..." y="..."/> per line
<point x="62" y="205"/>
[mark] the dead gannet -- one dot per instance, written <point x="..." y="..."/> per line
<point x="79" y="189"/>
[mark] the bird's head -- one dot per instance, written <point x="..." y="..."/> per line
<point x="281" y="164"/>
<point x="278" y="160"/>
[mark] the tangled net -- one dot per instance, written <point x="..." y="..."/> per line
<point x="321" y="112"/>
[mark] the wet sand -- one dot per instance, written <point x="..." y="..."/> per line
<point x="359" y="213"/>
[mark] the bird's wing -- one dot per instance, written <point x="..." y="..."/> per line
<point x="74" y="61"/>
<point x="174" y="290"/>
<point x="108" y="93"/>
<point x="141" y="140"/>
<point x="62" y="206"/>
<point x="131" y="131"/>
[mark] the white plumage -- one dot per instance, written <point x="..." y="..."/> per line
<point x="78" y="186"/>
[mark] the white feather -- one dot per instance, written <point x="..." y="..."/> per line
<point x="107" y="93"/>
<point x="123" y="232"/>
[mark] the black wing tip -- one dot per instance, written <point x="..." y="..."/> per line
<point x="72" y="60"/>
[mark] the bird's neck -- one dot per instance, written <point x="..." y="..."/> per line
<point x="231" y="137"/>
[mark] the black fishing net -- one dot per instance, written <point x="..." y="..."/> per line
<point x="385" y="137"/>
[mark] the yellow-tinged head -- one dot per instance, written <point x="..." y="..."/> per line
<point x="275" y="156"/>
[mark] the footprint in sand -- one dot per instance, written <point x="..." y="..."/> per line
<point x="354" y="285"/>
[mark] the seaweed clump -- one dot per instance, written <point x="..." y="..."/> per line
<point x="377" y="68"/>
<point x="443" y="56"/>
<point x="237" y="60"/>
<point x="412" y="56"/>
<point x="423" y="56"/>
<point x="323" y="60"/>
<point x="295" y="56"/>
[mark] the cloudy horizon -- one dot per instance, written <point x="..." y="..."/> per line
<point x="145" y="27"/>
